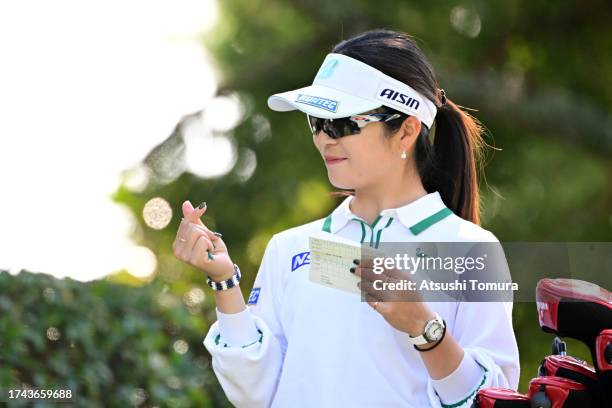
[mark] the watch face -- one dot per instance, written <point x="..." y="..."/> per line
<point x="434" y="331"/>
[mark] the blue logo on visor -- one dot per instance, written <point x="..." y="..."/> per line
<point x="318" y="102"/>
<point x="328" y="69"/>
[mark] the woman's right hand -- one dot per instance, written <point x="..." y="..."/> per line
<point x="194" y="241"/>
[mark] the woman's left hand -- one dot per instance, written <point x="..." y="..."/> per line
<point x="403" y="309"/>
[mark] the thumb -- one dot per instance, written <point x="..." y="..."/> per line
<point x="193" y="214"/>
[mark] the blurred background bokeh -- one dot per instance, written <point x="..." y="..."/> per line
<point x="91" y="296"/>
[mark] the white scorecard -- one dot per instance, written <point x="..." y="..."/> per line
<point x="330" y="261"/>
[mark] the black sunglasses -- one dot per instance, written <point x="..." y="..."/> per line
<point x="337" y="128"/>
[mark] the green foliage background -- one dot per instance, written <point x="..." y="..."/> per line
<point x="538" y="74"/>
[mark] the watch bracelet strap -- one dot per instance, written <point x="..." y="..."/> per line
<point x="226" y="284"/>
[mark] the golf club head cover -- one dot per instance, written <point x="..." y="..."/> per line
<point x="603" y="346"/>
<point x="603" y="362"/>
<point x="574" y="369"/>
<point x="495" y="397"/>
<point x="574" y="308"/>
<point x="558" y="392"/>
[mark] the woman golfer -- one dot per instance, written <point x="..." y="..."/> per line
<point x="385" y="130"/>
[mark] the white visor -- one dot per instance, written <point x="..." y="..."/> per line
<point x="345" y="86"/>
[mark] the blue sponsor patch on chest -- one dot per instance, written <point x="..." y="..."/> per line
<point x="254" y="296"/>
<point x="317" y="101"/>
<point x="300" y="259"/>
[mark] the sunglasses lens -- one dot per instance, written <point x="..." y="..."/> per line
<point x="335" y="128"/>
<point x="346" y="127"/>
<point x="331" y="129"/>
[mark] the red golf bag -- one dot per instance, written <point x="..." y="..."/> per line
<point x="567" y="308"/>
<point x="495" y="397"/>
<point x="583" y="311"/>
<point x="576" y="309"/>
<point x="573" y="369"/>
<point x="558" y="392"/>
<point x="603" y="353"/>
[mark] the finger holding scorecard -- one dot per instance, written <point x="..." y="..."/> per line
<point x="381" y="281"/>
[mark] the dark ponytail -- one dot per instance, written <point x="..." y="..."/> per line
<point x="457" y="147"/>
<point x="449" y="165"/>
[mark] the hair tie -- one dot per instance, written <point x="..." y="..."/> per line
<point x="442" y="97"/>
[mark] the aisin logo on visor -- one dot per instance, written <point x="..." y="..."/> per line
<point x="400" y="98"/>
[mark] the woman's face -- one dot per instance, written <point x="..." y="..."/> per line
<point x="363" y="159"/>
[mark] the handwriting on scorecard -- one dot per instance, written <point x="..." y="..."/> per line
<point x="330" y="262"/>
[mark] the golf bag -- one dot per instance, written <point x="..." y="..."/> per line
<point x="558" y="392"/>
<point x="495" y="397"/>
<point x="579" y="310"/>
<point x="576" y="309"/>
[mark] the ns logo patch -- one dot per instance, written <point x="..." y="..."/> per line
<point x="300" y="259"/>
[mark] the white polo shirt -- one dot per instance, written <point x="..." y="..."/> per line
<point x="302" y="344"/>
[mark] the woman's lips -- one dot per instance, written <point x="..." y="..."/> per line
<point x="334" y="160"/>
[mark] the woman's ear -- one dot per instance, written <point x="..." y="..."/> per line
<point x="409" y="131"/>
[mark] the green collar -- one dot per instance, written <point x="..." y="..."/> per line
<point x="417" y="216"/>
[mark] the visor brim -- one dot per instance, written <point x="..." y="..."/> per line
<point x="322" y="102"/>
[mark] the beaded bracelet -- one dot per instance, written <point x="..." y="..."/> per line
<point x="226" y="284"/>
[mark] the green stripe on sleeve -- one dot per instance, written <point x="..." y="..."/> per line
<point x="218" y="340"/>
<point x="472" y="394"/>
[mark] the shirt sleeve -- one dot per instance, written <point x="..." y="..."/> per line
<point x="491" y="357"/>
<point x="247" y="348"/>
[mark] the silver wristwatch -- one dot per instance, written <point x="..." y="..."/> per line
<point x="434" y="330"/>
